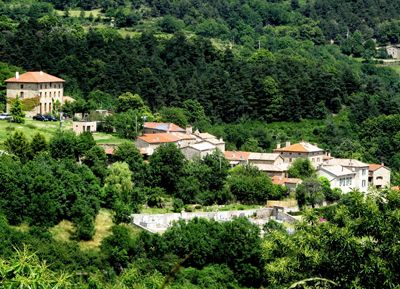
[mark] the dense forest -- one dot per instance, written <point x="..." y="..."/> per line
<point x="255" y="73"/>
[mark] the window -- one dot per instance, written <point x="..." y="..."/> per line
<point x="45" y="94"/>
<point x="317" y="160"/>
<point x="379" y="178"/>
<point x="341" y="181"/>
<point x="22" y="94"/>
<point x="348" y="181"/>
<point x="22" y="86"/>
<point x="363" y="183"/>
<point x="40" y="94"/>
<point x="364" y="172"/>
<point x="313" y="160"/>
<point x="59" y="94"/>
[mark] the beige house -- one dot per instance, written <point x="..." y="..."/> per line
<point x="198" y="150"/>
<point x="379" y="176"/>
<point x="393" y="51"/>
<point x="212" y="139"/>
<point x="291" y="152"/>
<point x="44" y="90"/>
<point x="148" y="143"/>
<point x="84" y="126"/>
<point x="343" y="168"/>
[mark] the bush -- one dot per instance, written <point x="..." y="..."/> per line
<point x="177" y="205"/>
<point x="85" y="229"/>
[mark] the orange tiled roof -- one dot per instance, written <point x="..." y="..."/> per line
<point x="170" y="127"/>
<point x="396" y="188"/>
<point x="374" y="167"/>
<point x="237" y="155"/>
<point x="301" y="147"/>
<point x="159" y="138"/>
<point x="276" y="180"/>
<point x="35" y="77"/>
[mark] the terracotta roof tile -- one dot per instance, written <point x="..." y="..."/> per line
<point x="302" y="147"/>
<point x="277" y="180"/>
<point x="159" y="138"/>
<point x="163" y="126"/>
<point x="237" y="155"/>
<point x="35" y="77"/>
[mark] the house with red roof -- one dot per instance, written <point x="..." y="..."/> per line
<point x="291" y="152"/>
<point x="45" y="91"/>
<point x="379" y="175"/>
<point x="148" y="143"/>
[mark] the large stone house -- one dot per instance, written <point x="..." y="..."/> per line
<point x="291" y="152"/>
<point x="379" y="176"/>
<point x="198" y="150"/>
<point x="148" y="143"/>
<point x="44" y="91"/>
<point x="346" y="174"/>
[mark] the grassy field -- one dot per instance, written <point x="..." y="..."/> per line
<point x="103" y="223"/>
<point x="48" y="129"/>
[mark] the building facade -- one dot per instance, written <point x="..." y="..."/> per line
<point x="291" y="152"/>
<point x="379" y="176"/>
<point x="45" y="91"/>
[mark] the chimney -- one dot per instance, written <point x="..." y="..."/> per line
<point x="17" y="75"/>
<point x="278" y="145"/>
<point x="288" y="143"/>
<point x="189" y="129"/>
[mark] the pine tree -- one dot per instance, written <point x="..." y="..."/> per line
<point x="16" y="111"/>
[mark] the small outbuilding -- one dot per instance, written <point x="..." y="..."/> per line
<point x="84" y="126"/>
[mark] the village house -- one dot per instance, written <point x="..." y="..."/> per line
<point x="148" y="143"/>
<point x="44" y="91"/>
<point x="84" y="126"/>
<point x="198" y="150"/>
<point x="237" y="157"/>
<point x="393" y="51"/>
<point x="346" y="174"/>
<point x="212" y="139"/>
<point x="291" y="152"/>
<point x="379" y="176"/>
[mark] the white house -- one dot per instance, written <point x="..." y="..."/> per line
<point x="338" y="176"/>
<point x="342" y="168"/>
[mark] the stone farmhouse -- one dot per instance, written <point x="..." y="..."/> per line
<point x="379" y="176"/>
<point x="44" y="91"/>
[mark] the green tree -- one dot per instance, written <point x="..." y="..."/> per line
<point x="301" y="168"/>
<point x="18" y="145"/>
<point x="38" y="144"/>
<point x="310" y="192"/>
<point x="128" y="124"/>
<point x="166" y="164"/>
<point x="16" y="111"/>
<point x="175" y="115"/>
<point x="128" y="153"/>
<point x="64" y="144"/>
<point x="128" y="101"/>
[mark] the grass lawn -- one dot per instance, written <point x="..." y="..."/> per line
<point x="395" y="68"/>
<point x="48" y="129"/>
